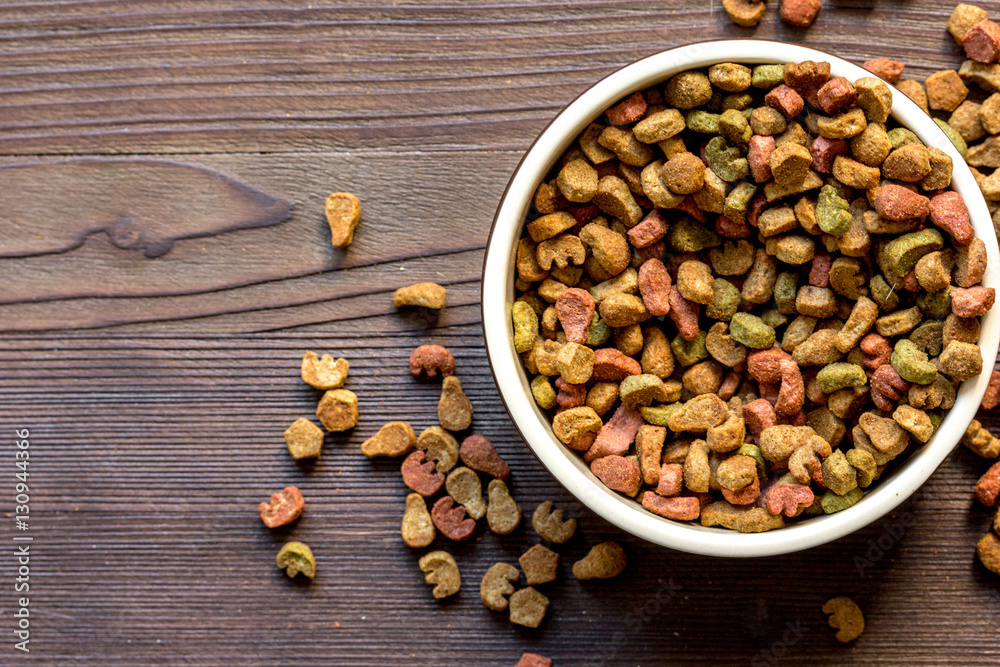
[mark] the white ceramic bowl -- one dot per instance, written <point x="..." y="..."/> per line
<point x="567" y="466"/>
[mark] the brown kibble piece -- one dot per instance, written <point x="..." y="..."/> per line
<point x="284" y="508"/>
<point x="945" y="90"/>
<point x="441" y="447"/>
<point x="890" y="70"/>
<point x="503" y="514"/>
<point x="746" y="13"/>
<point x="343" y="212"/>
<point x="988" y="550"/>
<point x="496" y="587"/>
<point x="324" y="373"/>
<point x="962" y="18"/>
<point x="393" y="439"/>
<point x="338" y="410"/>
<point x="440" y="569"/>
<point x="550" y="524"/>
<point x="454" y="409"/>
<point x="479" y="454"/>
<point x="431" y="361"/>
<point x="417" y="528"/>
<point x="540" y="565"/>
<point x="846" y="617"/>
<point x="304" y="439"/>
<point x="427" y="295"/>
<point x="604" y="561"/>
<point x="527" y="607"/>
<point x="800" y="13"/>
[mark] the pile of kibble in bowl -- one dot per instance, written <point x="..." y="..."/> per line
<point x="743" y="294"/>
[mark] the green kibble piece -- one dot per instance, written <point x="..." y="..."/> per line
<point x="686" y="235"/>
<point x="545" y="395"/>
<point x="738" y="101"/>
<point x="900" y="136"/>
<point x="753" y="451"/>
<point x="689" y="352"/>
<point x="840" y="375"/>
<point x="864" y="465"/>
<point x="901" y="254"/>
<point x="525" y="326"/>
<point x="832" y="503"/>
<point x="598" y="332"/>
<point x="297" y="558"/>
<point x="767" y="76"/>
<point x="733" y="126"/>
<point x="738" y="201"/>
<point x="935" y="305"/>
<point x="659" y="415"/>
<point x="751" y="331"/>
<point x="643" y="389"/>
<point x="838" y="474"/>
<point x="937" y="418"/>
<point x="911" y="363"/>
<point x="725" y="300"/>
<point x="883" y="294"/>
<point x="954" y="137"/>
<point x="774" y="319"/>
<point x="703" y="122"/>
<point x="785" y="288"/>
<point x="726" y="161"/>
<point x="833" y="212"/>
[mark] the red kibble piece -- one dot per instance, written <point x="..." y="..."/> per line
<point x="745" y="496"/>
<point x="652" y="228"/>
<point x="824" y="151"/>
<point x="618" y="473"/>
<point x="628" y="111"/>
<point x="643" y="255"/>
<point x="759" y="157"/>
<point x="688" y="206"/>
<point x="991" y="398"/>
<point x="950" y="213"/>
<point x="894" y="202"/>
<point x="570" y="395"/>
<point x="988" y="486"/>
<point x="982" y="41"/>
<point x="431" y="361"/>
<point x="792" y="395"/>
<point x="284" y="508"/>
<point x="890" y="70"/>
<point x="887" y="387"/>
<point x="786" y="100"/>
<point x="765" y="365"/>
<point x="671" y="480"/>
<point x="533" y="660"/>
<point x="731" y="229"/>
<point x="451" y="520"/>
<point x="800" y="13"/>
<point x="655" y="286"/>
<point x="729" y="386"/>
<point x="972" y="301"/>
<point x="420" y="474"/>
<point x="617" y="435"/>
<point x="819" y="272"/>
<point x="757" y="204"/>
<point x="575" y="309"/>
<point x="836" y="94"/>
<point x="611" y="364"/>
<point x="479" y="454"/>
<point x="759" y="415"/>
<point x="910" y="282"/>
<point x="684" y="313"/>
<point x="581" y="443"/>
<point x="877" y="351"/>
<point x="788" y="499"/>
<point x="800" y="418"/>
<point x="687" y="508"/>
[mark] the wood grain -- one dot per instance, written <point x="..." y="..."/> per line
<point x="156" y="388"/>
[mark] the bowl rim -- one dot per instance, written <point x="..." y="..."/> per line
<point x="511" y="381"/>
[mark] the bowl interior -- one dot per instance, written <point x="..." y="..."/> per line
<point x="533" y="424"/>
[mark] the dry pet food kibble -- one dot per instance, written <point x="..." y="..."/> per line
<point x="454" y="409"/>
<point x="431" y="361"/>
<point x="845" y="617"/>
<point x="418" y="528"/>
<point x="440" y="569"/>
<point x="296" y="558"/>
<point x="496" y="588"/>
<point x="533" y="660"/>
<point x="539" y="564"/>
<point x="304" y="439"/>
<point x="338" y="410"/>
<point x="284" y="508"/>
<point x="549" y="523"/>
<point x="343" y="213"/>
<point x="428" y="295"/>
<point x="774" y="282"/>
<point x="324" y="373"/>
<point x="604" y="561"/>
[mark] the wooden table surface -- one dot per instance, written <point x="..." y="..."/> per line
<point x="165" y="263"/>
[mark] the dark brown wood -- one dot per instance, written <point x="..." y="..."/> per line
<point x="156" y="388"/>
